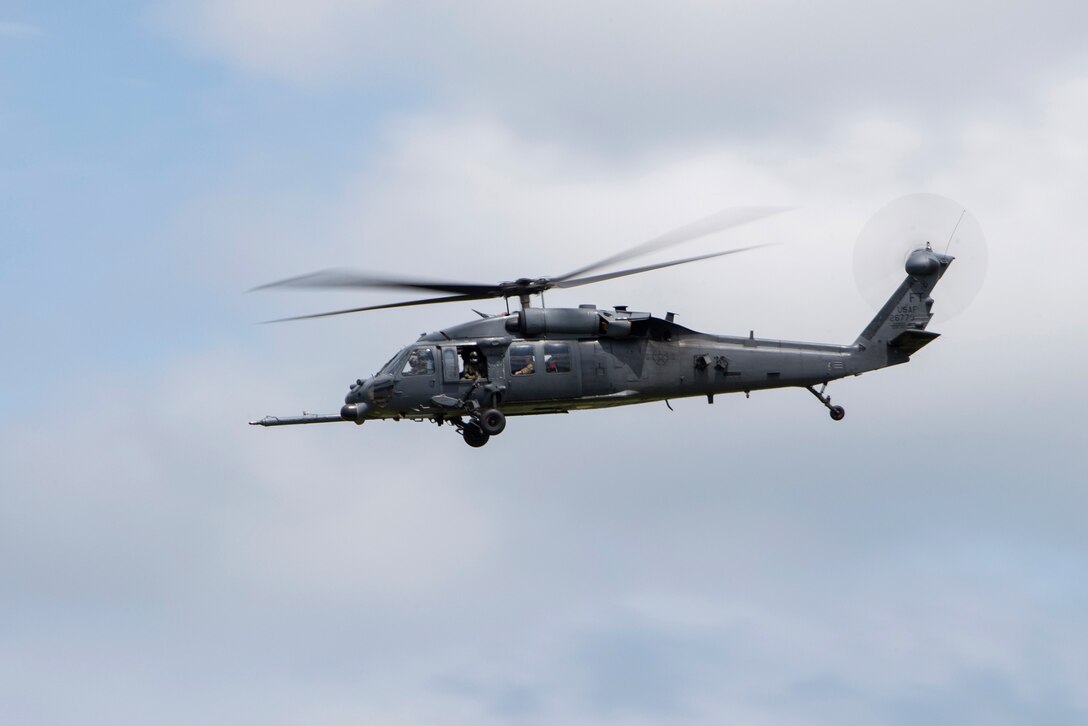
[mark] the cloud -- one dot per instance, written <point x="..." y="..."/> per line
<point x="748" y="561"/>
<point x="19" y="30"/>
<point x="134" y="486"/>
<point x="474" y="199"/>
<point x="613" y="77"/>
<point x="742" y="561"/>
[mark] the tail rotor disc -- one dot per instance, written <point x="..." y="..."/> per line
<point x="910" y="223"/>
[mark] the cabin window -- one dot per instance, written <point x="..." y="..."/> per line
<point x="450" y="368"/>
<point x="522" y="360"/>
<point x="420" y="363"/>
<point x="557" y="357"/>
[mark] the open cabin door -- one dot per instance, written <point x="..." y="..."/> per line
<point x="463" y="366"/>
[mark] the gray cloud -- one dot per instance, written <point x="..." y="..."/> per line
<point x="322" y="574"/>
<point x="609" y="77"/>
<point x="746" y="562"/>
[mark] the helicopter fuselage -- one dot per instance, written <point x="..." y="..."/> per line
<point x="566" y="369"/>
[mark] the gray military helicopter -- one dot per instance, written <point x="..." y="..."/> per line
<point x="540" y="360"/>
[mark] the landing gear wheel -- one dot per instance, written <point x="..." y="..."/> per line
<point x="474" y="435"/>
<point x="492" y="421"/>
<point x="837" y="412"/>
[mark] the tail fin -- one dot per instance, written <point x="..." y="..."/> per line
<point x="900" y="326"/>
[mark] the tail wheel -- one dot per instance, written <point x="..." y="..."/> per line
<point x="492" y="421"/>
<point x="474" y="435"/>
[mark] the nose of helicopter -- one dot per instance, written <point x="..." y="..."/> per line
<point x="356" y="394"/>
<point x="354" y="412"/>
<point x="360" y="391"/>
<point x="359" y="400"/>
<point x="366" y="395"/>
<point x="355" y="408"/>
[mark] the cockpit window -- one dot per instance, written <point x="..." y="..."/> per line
<point x="522" y="360"/>
<point x="393" y="363"/>
<point x="557" y="357"/>
<point x="420" y="362"/>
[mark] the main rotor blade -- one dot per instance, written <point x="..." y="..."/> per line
<point x="646" y="268"/>
<point x="732" y="217"/>
<point x="348" y="279"/>
<point x="409" y="303"/>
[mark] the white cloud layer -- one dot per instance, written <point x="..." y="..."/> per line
<point x="745" y="561"/>
<point x="609" y="74"/>
<point x="750" y="561"/>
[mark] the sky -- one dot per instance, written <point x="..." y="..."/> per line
<point x="924" y="560"/>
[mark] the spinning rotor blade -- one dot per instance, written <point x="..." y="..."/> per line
<point x="646" y="268"/>
<point x="523" y="287"/>
<point x="733" y="217"/>
<point x="907" y="224"/>
<point x="347" y="279"/>
<point x="409" y="303"/>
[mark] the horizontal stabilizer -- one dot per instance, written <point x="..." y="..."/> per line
<point x="910" y="342"/>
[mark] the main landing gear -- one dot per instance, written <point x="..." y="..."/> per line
<point x="481" y="426"/>
<point x="837" y="412"/>
<point x="474" y="435"/>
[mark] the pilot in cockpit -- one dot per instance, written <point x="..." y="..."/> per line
<point x="420" y="362"/>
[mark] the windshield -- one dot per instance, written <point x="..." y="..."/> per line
<point x="393" y="363"/>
